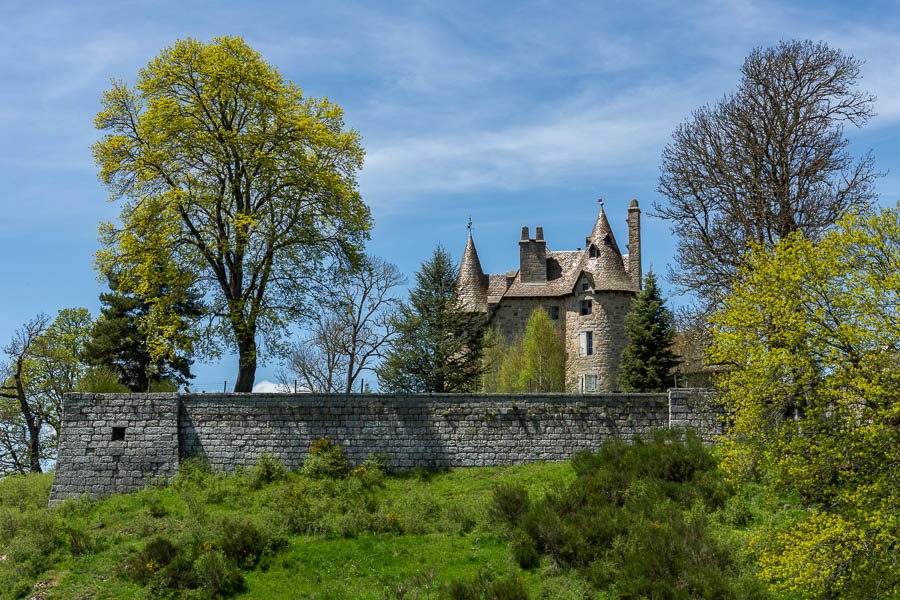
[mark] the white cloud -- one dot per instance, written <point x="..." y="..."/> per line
<point x="267" y="387"/>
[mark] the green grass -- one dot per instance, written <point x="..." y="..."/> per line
<point x="267" y="533"/>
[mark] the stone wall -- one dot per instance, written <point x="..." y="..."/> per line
<point x="424" y="430"/>
<point x="118" y="442"/>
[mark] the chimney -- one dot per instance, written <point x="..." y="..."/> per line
<point x="634" y="244"/>
<point x="533" y="257"/>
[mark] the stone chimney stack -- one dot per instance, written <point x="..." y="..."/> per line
<point x="533" y="257"/>
<point x="634" y="244"/>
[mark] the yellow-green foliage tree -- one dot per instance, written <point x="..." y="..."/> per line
<point x="543" y="355"/>
<point x="534" y="362"/>
<point x="234" y="184"/>
<point x="813" y="332"/>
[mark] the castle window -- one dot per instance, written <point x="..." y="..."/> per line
<point x="585" y="287"/>
<point x="554" y="312"/>
<point x="607" y="241"/>
<point x="588" y="383"/>
<point x="118" y="434"/>
<point x="586" y="343"/>
<point x="594" y="253"/>
<point x="585" y="307"/>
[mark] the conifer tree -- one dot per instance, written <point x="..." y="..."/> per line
<point x="117" y="341"/>
<point x="439" y="347"/>
<point x="648" y="359"/>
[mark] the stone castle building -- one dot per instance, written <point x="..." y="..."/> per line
<point x="587" y="292"/>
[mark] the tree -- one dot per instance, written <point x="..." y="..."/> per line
<point x="45" y="363"/>
<point x="439" y="346"/>
<point x="543" y="355"/>
<point x="764" y="162"/>
<point x="648" y="359"/>
<point x="232" y="183"/>
<point x="119" y="342"/>
<point x="812" y="331"/>
<point x="353" y="329"/>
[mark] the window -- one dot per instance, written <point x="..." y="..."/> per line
<point x="585" y="307"/>
<point x="588" y="383"/>
<point x="554" y="312"/>
<point x="594" y="253"/>
<point x="585" y="287"/>
<point x="586" y="343"/>
<point x="118" y="434"/>
<point x="607" y="241"/>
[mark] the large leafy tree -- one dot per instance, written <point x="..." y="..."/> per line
<point x="44" y="363"/>
<point x="118" y="340"/>
<point x="439" y="346"/>
<point x="767" y="160"/>
<point x="812" y="332"/>
<point x="648" y="359"/>
<point x="232" y="182"/>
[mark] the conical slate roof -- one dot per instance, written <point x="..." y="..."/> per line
<point x="603" y="260"/>
<point x="472" y="283"/>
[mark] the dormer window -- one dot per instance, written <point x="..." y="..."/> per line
<point x="594" y="253"/>
<point x="608" y="241"/>
<point x="585" y="287"/>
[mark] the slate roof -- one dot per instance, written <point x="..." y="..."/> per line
<point x="606" y="269"/>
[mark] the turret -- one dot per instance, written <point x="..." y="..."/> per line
<point x="533" y="257"/>
<point x="634" y="244"/>
<point x="472" y="283"/>
<point x="604" y="260"/>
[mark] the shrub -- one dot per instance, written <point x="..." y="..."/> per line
<point x="524" y="551"/>
<point x="380" y="461"/>
<point x="193" y="473"/>
<point x="509" y="502"/>
<point x="633" y="522"/>
<point x="241" y="541"/>
<point x="217" y="575"/>
<point x="325" y="460"/>
<point x="268" y="468"/>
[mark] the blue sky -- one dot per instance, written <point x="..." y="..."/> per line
<point x="519" y="113"/>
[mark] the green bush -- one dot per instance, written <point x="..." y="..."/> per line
<point x="380" y="461"/>
<point x="268" y="468"/>
<point x="216" y="575"/>
<point x="524" y="551"/>
<point x="633" y="522"/>
<point x="242" y="541"/>
<point x="509" y="502"/>
<point x="193" y="474"/>
<point x="325" y="460"/>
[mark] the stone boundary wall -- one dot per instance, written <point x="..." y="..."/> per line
<point x="123" y="442"/>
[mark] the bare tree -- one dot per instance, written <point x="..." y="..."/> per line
<point x="350" y="333"/>
<point x="764" y="162"/>
<point x="22" y="419"/>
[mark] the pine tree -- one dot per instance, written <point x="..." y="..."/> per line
<point x="118" y="343"/>
<point x="439" y="347"/>
<point x="648" y="359"/>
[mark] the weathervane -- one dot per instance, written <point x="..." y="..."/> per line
<point x="600" y="200"/>
<point x="469" y="226"/>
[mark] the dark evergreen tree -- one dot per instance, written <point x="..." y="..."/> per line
<point x="648" y="360"/>
<point x="117" y="342"/>
<point x="438" y="347"/>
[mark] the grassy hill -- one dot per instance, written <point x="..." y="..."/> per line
<point x="652" y="519"/>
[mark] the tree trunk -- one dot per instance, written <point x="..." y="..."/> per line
<point x="33" y="424"/>
<point x="247" y="364"/>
